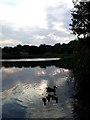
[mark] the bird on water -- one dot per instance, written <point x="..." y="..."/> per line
<point x="44" y="100"/>
<point x="49" y="89"/>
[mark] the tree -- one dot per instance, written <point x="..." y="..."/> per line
<point x="81" y="19"/>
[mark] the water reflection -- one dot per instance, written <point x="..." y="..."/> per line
<point x="51" y="95"/>
<point x="32" y="63"/>
<point x="24" y="88"/>
<point x="32" y="59"/>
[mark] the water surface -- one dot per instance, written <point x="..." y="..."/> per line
<point x="33" y="59"/>
<point x="23" y="89"/>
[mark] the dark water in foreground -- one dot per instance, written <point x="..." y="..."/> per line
<point x="23" y="89"/>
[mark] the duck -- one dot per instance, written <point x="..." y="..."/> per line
<point x="56" y="98"/>
<point x="53" y="97"/>
<point x="48" y="98"/>
<point x="44" y="100"/>
<point x="51" y="89"/>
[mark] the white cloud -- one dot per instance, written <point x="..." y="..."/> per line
<point x="9" y="42"/>
<point x="39" y="37"/>
<point x="25" y="13"/>
<point x="55" y="3"/>
<point x="67" y="3"/>
<point x="66" y="39"/>
<point x="61" y="39"/>
<point x="28" y="12"/>
<point x="52" y="36"/>
<point x="59" y="26"/>
<point x="35" y="21"/>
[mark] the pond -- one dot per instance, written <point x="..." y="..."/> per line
<point x="23" y="90"/>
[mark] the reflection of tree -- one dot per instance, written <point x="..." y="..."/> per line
<point x="21" y="64"/>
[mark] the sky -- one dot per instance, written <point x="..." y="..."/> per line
<point x="35" y="22"/>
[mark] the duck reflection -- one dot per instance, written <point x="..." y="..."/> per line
<point x="44" y="100"/>
<point x="49" y="89"/>
<point x="49" y="96"/>
<point x="52" y="97"/>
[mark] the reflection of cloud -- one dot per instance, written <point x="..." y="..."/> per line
<point x="60" y="81"/>
<point x="29" y="94"/>
<point x="40" y="72"/>
<point x="66" y="70"/>
<point x="26" y="92"/>
<point x="55" y="72"/>
<point x="41" y="89"/>
<point x="10" y="70"/>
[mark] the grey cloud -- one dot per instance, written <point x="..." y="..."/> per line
<point x="60" y="14"/>
<point x="27" y="35"/>
<point x="9" y="33"/>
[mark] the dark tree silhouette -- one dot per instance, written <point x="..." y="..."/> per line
<point x="81" y="19"/>
<point x="26" y="51"/>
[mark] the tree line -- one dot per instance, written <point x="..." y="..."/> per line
<point x="26" y="51"/>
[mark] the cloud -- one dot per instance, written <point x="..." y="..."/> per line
<point x="9" y="42"/>
<point x="9" y="2"/>
<point x="31" y="13"/>
<point x="59" y="26"/>
<point x="25" y="13"/>
<point x="35" y="22"/>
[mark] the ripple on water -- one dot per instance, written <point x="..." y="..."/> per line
<point x="26" y="98"/>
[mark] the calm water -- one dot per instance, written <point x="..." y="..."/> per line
<point x="23" y="90"/>
<point x="33" y="59"/>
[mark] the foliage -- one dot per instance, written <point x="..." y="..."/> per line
<point x="81" y="27"/>
<point x="81" y="72"/>
<point x="81" y="19"/>
<point x="42" y="50"/>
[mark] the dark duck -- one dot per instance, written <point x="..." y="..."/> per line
<point x="48" y="98"/>
<point x="44" y="100"/>
<point x="51" y="89"/>
<point x="53" y="97"/>
<point x="56" y="98"/>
